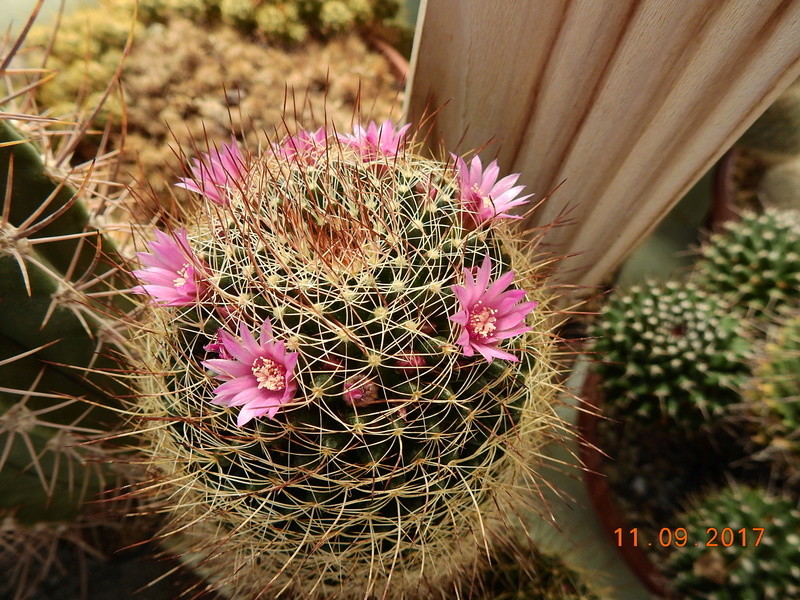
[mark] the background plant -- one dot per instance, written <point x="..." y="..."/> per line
<point x="754" y="263"/>
<point x="670" y="352"/>
<point x="57" y="332"/>
<point x="742" y="569"/>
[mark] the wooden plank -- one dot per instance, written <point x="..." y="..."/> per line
<point x="628" y="101"/>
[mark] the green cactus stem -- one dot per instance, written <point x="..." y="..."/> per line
<point x="670" y="353"/>
<point x="755" y="262"/>
<point x="742" y="544"/>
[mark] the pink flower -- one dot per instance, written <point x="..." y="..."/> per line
<point x="214" y="172"/>
<point x="376" y="142"/>
<point x="304" y="147"/>
<point x="489" y="313"/>
<point x="173" y="274"/>
<point x="482" y="195"/>
<point x="360" y="390"/>
<point x="258" y="375"/>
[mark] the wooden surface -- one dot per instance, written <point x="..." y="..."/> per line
<point x="628" y="102"/>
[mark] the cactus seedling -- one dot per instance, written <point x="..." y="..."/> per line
<point x="755" y="262"/>
<point x="756" y="553"/>
<point x="345" y="371"/>
<point x="670" y="352"/>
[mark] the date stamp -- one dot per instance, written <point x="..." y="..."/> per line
<point x="678" y="537"/>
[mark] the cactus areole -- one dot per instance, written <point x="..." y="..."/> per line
<point x="345" y="367"/>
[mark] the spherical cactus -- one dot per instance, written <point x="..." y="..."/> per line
<point x="780" y="186"/>
<point x="670" y="352"/>
<point x="774" y="393"/>
<point x="345" y="367"/>
<point x="776" y="134"/>
<point x="756" y="553"/>
<point x="755" y="262"/>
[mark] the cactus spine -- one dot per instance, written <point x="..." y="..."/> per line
<point x="385" y="392"/>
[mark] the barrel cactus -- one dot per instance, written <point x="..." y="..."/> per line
<point x="756" y="261"/>
<point x="775" y="136"/>
<point x="741" y="543"/>
<point x="345" y="372"/>
<point x="774" y="393"/>
<point x="670" y="352"/>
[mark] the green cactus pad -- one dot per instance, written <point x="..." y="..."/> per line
<point x="670" y="352"/>
<point x="755" y="262"/>
<point x="736" y="568"/>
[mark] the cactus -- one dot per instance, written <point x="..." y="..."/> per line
<point x="780" y="186"/>
<point x="524" y="575"/>
<point x="775" y="136"/>
<point x="56" y="336"/>
<point x="755" y="262"/>
<point x="757" y="552"/>
<point x="774" y="394"/>
<point x="670" y="352"/>
<point x="340" y="394"/>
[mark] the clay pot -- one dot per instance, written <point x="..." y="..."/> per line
<point x="602" y="497"/>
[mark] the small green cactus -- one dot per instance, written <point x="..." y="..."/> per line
<point x="780" y="186"/>
<point x="755" y="262"/>
<point x="756" y="551"/>
<point x="670" y="352"/>
<point x="382" y="396"/>
<point x="774" y="393"/>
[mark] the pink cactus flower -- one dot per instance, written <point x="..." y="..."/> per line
<point x="376" y="141"/>
<point x="173" y="275"/>
<point x="258" y="375"/>
<point x="305" y="146"/>
<point x="489" y="312"/>
<point x="484" y="197"/>
<point x="214" y="172"/>
<point x="360" y="390"/>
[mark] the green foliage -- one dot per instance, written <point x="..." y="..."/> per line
<point x="754" y="263"/>
<point x="737" y="569"/>
<point x="670" y="352"/>
<point x="353" y="263"/>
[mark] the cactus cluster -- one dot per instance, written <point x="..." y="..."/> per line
<point x="211" y="78"/>
<point x="670" y="351"/>
<point x="342" y="393"/>
<point x="754" y="262"/>
<point x="774" y="392"/>
<point x="736" y="568"/>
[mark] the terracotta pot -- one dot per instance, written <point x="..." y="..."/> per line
<point x="602" y="497"/>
